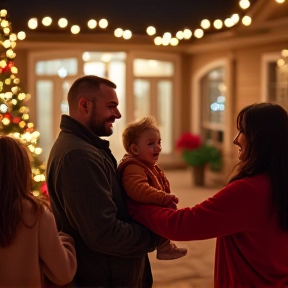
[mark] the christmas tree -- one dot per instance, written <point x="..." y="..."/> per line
<point x="14" y="112"/>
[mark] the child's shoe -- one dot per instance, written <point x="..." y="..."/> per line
<point x="169" y="251"/>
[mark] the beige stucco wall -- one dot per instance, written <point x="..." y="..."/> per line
<point x="249" y="70"/>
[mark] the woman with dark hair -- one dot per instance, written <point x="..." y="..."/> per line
<point x="249" y="216"/>
<point x="30" y="246"/>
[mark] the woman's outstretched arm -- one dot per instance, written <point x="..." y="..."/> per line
<point x="240" y="206"/>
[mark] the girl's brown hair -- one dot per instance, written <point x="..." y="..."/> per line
<point x="15" y="186"/>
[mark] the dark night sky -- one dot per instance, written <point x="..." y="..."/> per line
<point x="136" y="15"/>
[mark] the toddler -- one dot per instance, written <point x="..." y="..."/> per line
<point x="142" y="179"/>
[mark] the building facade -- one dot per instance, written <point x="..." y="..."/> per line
<point x="199" y="86"/>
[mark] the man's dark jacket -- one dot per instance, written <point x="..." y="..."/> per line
<point x="88" y="204"/>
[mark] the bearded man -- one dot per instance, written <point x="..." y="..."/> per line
<point x="86" y="197"/>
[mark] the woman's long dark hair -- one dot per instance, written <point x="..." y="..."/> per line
<point x="265" y="126"/>
<point x="15" y="186"/>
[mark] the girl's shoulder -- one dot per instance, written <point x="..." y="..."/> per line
<point x="33" y="210"/>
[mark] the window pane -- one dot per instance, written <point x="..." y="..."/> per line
<point x="94" y="68"/>
<point x="141" y="98"/>
<point x="98" y="63"/>
<point x="44" y="97"/>
<point x="282" y="86"/>
<point x="60" y="67"/>
<point x="272" y="69"/>
<point x="116" y="73"/>
<point x="164" y="105"/>
<point x="111" y="65"/>
<point x="214" y="92"/>
<point x="213" y="135"/>
<point x="150" y="68"/>
<point x="64" y="104"/>
<point x="104" y="57"/>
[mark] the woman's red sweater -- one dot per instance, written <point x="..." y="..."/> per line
<point x="251" y="248"/>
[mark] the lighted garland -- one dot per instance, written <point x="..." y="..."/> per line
<point x="166" y="39"/>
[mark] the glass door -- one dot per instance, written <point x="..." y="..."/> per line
<point x="153" y="97"/>
<point x="153" y="92"/>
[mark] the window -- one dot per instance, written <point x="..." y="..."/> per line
<point x="271" y="83"/>
<point x="213" y="96"/>
<point x="153" y="95"/>
<point x="141" y="98"/>
<point x="152" y="68"/>
<point x="164" y="110"/>
<point x="282" y="85"/>
<point x="276" y="79"/>
<point x="61" y="67"/>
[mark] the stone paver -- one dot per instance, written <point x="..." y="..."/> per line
<point x="196" y="269"/>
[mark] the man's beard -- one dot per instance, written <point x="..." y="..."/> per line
<point x="99" y="127"/>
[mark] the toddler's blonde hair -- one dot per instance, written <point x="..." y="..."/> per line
<point x="133" y="131"/>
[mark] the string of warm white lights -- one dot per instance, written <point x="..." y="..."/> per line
<point x="166" y="39"/>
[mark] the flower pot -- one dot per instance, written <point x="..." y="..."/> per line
<point x="198" y="175"/>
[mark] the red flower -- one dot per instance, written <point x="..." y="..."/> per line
<point x="188" y="141"/>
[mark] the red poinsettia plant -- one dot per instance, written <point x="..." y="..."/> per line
<point x="196" y="153"/>
<point x="188" y="141"/>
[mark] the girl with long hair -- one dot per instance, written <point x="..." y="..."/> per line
<point x="249" y="216"/>
<point x="30" y="247"/>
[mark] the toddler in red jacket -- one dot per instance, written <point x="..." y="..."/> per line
<point x="142" y="179"/>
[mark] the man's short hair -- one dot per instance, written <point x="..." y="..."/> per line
<point x="133" y="131"/>
<point x="86" y="86"/>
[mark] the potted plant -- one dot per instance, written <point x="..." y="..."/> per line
<point x="198" y="155"/>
